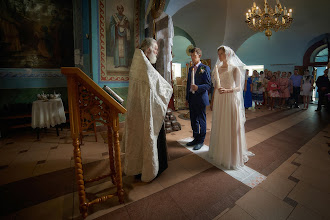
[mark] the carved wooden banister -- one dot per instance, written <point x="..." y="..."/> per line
<point x="89" y="103"/>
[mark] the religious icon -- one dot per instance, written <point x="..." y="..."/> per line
<point x="120" y="37"/>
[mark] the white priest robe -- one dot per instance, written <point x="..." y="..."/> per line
<point x="148" y="97"/>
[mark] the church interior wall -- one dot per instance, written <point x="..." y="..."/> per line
<point x="181" y="41"/>
<point x="19" y="85"/>
<point x="180" y="45"/>
<point x="205" y="23"/>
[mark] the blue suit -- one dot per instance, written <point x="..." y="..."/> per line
<point x="199" y="101"/>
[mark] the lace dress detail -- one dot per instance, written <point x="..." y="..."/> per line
<point x="227" y="78"/>
<point x="227" y="143"/>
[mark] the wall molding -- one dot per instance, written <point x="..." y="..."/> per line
<point x="30" y="73"/>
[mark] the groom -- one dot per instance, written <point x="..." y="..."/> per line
<point x="197" y="97"/>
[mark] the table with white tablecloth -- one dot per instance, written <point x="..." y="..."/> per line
<point x="47" y="113"/>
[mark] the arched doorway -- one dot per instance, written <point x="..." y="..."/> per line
<point x="317" y="57"/>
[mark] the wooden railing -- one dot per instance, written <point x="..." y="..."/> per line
<point x="88" y="104"/>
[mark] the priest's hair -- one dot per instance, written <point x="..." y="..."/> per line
<point x="147" y="43"/>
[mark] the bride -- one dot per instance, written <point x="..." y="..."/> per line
<point x="227" y="144"/>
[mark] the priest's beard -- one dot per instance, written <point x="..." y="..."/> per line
<point x="152" y="57"/>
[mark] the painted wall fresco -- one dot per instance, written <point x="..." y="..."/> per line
<point x="118" y="25"/>
<point x="36" y="34"/>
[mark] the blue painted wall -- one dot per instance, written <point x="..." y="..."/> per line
<point x="181" y="41"/>
<point x="278" y="53"/>
<point x="180" y="45"/>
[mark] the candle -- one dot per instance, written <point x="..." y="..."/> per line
<point x="193" y="78"/>
<point x="254" y="4"/>
<point x="266" y="9"/>
<point x="290" y="13"/>
<point x="247" y="16"/>
<point x="249" y="13"/>
<point x="283" y="20"/>
<point x="265" y="1"/>
<point x="217" y="78"/>
<point x="285" y="11"/>
<point x="254" y="21"/>
<point x="257" y="10"/>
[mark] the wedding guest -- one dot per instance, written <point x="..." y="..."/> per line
<point x="284" y="84"/>
<point x="273" y="91"/>
<point x="278" y="75"/>
<point x="267" y="78"/>
<point x="322" y="84"/>
<point x="306" y="88"/>
<point x="296" y="82"/>
<point x="257" y="96"/>
<point x="247" y="90"/>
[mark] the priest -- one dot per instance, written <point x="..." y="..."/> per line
<point x="144" y="140"/>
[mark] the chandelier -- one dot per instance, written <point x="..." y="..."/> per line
<point x="268" y="18"/>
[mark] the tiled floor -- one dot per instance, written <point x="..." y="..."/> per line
<point x="37" y="178"/>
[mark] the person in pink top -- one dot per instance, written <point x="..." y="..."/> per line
<point x="272" y="89"/>
<point x="284" y="84"/>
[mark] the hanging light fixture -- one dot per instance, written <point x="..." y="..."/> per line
<point x="268" y="18"/>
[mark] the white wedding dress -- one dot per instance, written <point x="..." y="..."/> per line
<point x="227" y="144"/>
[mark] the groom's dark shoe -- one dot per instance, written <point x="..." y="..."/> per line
<point x="198" y="146"/>
<point x="192" y="143"/>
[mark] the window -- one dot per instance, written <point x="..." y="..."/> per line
<point x="176" y="68"/>
<point x="254" y="67"/>
<point x="322" y="56"/>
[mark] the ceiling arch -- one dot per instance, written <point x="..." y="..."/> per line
<point x="215" y="22"/>
<point x="205" y="22"/>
